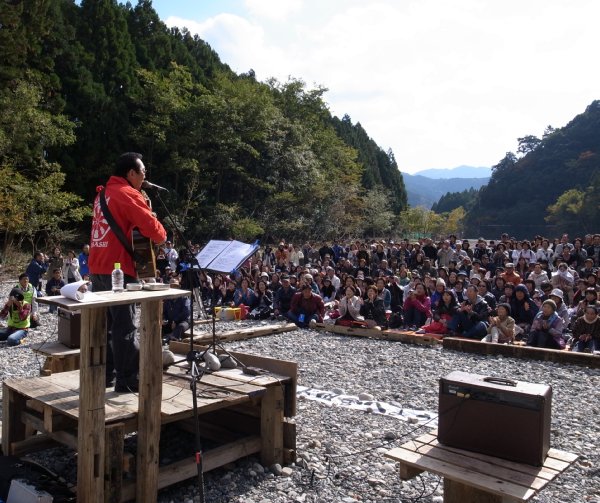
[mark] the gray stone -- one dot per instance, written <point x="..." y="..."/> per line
<point x="365" y="397"/>
<point x="276" y="469"/>
<point x="287" y="472"/>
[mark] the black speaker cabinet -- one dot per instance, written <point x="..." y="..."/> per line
<point x="69" y="328"/>
<point x="495" y="416"/>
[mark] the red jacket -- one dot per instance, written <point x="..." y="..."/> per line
<point x="129" y="209"/>
<point x="312" y="305"/>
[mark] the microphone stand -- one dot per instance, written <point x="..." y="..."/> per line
<point x="195" y="370"/>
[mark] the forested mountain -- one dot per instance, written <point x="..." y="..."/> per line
<point x="458" y="172"/>
<point x="82" y="82"/>
<point x="425" y="191"/>
<point x="554" y="186"/>
<point x="452" y="200"/>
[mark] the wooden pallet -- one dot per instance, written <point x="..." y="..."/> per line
<point x="387" y="335"/>
<point x="520" y="351"/>
<point x="59" y="358"/>
<point x="469" y="476"/>
<point x="245" y="333"/>
<point x="240" y="414"/>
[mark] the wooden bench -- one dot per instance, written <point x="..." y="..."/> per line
<point x="469" y="476"/>
<point x="59" y="358"/>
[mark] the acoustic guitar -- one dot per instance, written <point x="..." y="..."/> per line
<point x="145" y="257"/>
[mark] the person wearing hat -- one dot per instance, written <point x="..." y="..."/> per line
<point x="510" y="275"/>
<point x="502" y="326"/>
<point x="588" y="268"/>
<point x="306" y="307"/>
<point x="557" y="296"/>
<point x="547" y="328"/>
<point x="171" y="254"/>
<point x="586" y="331"/>
<point x="18" y="312"/>
<point x="565" y="279"/>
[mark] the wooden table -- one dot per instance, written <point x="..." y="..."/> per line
<point x="91" y="424"/>
<point x="469" y="476"/>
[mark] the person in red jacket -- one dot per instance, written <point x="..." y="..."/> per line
<point x="305" y="307"/>
<point x="130" y="210"/>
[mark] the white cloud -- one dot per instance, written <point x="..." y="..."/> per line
<point x="442" y="83"/>
<point x="276" y="10"/>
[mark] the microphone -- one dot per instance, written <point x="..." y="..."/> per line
<point x="149" y="185"/>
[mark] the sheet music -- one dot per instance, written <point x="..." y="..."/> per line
<point x="225" y="256"/>
<point x="210" y="251"/>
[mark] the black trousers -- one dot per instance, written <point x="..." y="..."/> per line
<point x="123" y="349"/>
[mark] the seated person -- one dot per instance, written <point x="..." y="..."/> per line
<point x="53" y="286"/>
<point x="18" y="312"/>
<point x="523" y="309"/>
<point x="306" y="306"/>
<point x="244" y="294"/>
<point x="283" y="296"/>
<point x="417" y="307"/>
<point x="586" y="331"/>
<point x="263" y="302"/>
<point x="327" y="290"/>
<point x="384" y="294"/>
<point x="502" y="326"/>
<point x="547" y="328"/>
<point x="176" y="316"/>
<point x="442" y="314"/>
<point x="373" y="310"/>
<point x="471" y="319"/>
<point x="349" y="307"/>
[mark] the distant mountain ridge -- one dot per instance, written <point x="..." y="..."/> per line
<point x="426" y="190"/>
<point x="462" y="171"/>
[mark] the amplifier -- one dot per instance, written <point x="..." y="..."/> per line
<point x="69" y="328"/>
<point x="500" y="417"/>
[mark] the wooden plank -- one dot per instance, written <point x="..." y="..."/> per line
<point x="36" y="443"/>
<point x="53" y="348"/>
<point x="388" y="335"/>
<point x="150" y="397"/>
<point x="111" y="299"/>
<point x="517" y="351"/>
<point x="271" y="426"/>
<point x="113" y="462"/>
<point x="455" y="492"/>
<point x="282" y="371"/>
<point x="475" y="466"/>
<point x="243" y="334"/>
<point x="487" y="483"/>
<point x="178" y="377"/>
<point x="13" y="428"/>
<point x="90" y="442"/>
<point x="544" y="472"/>
<point x="214" y="458"/>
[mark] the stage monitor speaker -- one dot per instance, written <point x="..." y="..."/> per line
<point x="69" y="328"/>
<point x="500" y="417"/>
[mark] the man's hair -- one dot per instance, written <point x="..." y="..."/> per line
<point x="125" y="162"/>
<point x="23" y="275"/>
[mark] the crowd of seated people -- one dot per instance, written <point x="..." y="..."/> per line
<point x="543" y="292"/>
<point x="540" y="292"/>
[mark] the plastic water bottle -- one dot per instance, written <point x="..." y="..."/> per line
<point x="117" y="278"/>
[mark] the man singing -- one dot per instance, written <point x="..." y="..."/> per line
<point x="129" y="210"/>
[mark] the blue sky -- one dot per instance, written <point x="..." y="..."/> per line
<point x="441" y="83"/>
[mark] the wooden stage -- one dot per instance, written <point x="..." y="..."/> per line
<point x="240" y="415"/>
<point x="245" y="414"/>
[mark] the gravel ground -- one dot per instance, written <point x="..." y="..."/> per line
<point x="340" y="451"/>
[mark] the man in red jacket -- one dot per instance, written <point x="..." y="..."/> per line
<point x="305" y="307"/>
<point x="129" y="209"/>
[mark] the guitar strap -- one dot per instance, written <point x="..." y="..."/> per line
<point x="116" y="229"/>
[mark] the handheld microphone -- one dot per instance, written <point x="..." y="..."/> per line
<point x="149" y="185"/>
